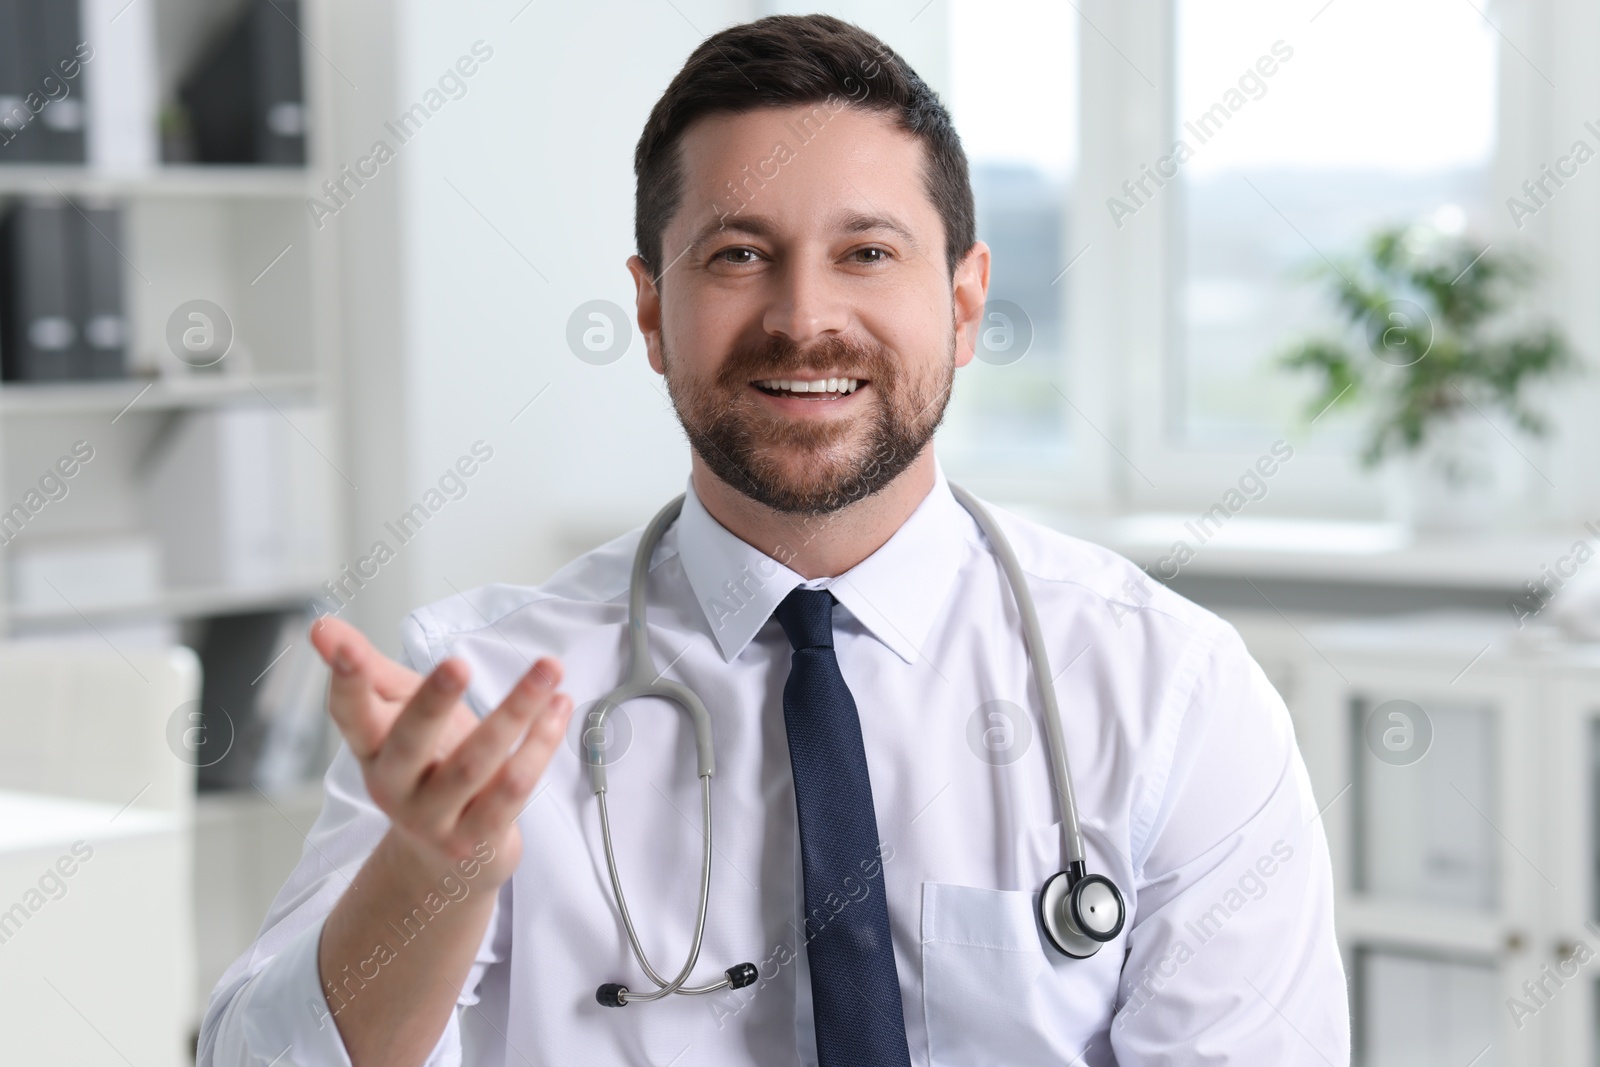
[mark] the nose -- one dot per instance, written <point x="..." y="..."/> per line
<point x="806" y="303"/>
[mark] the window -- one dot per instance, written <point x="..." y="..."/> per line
<point x="1015" y="102"/>
<point x="1307" y="132"/>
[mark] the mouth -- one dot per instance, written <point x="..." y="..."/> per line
<point x="812" y="389"/>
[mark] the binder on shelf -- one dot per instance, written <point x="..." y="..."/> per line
<point x="61" y="303"/>
<point x="38" y="321"/>
<point x="103" y="330"/>
<point x="245" y="100"/>
<point x="14" y="113"/>
<point x="233" y="653"/>
<point x="86" y="572"/>
<point x="237" y="498"/>
<point x="262" y="703"/>
<point x="292" y="709"/>
<point x="216" y="496"/>
<point x="51" y="33"/>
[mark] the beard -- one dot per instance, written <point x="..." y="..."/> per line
<point x="805" y="466"/>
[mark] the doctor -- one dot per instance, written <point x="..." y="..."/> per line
<point x="808" y="282"/>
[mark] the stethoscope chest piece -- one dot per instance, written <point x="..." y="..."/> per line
<point x="1080" y="912"/>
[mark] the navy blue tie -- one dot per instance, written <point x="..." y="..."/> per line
<point x="855" y="989"/>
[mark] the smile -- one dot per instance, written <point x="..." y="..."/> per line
<point x="791" y="387"/>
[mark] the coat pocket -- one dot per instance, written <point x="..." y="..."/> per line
<point x="989" y="993"/>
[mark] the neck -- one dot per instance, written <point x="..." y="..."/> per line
<point x="818" y="546"/>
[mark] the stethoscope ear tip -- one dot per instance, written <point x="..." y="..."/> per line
<point x="615" y="994"/>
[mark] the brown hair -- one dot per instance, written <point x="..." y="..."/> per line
<point x="782" y="61"/>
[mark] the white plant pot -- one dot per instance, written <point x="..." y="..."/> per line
<point x="1459" y="481"/>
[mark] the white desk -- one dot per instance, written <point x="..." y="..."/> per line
<point x="96" y="965"/>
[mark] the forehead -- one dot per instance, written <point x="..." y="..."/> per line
<point x="802" y="166"/>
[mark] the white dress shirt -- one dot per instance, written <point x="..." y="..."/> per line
<point x="1191" y="791"/>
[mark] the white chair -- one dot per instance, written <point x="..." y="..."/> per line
<point x="96" y="905"/>
<point x="88" y="721"/>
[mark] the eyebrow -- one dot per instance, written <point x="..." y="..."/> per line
<point x="851" y="222"/>
<point x="860" y="222"/>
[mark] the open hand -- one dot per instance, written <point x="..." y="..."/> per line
<point x="447" y="781"/>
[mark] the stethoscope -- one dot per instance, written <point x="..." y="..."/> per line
<point x="1078" y="910"/>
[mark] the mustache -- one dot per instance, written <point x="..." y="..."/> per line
<point x="780" y="357"/>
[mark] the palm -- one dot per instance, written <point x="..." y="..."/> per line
<point x="446" y="779"/>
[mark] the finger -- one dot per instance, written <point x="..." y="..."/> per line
<point x="504" y="796"/>
<point x="549" y="670"/>
<point x="352" y="704"/>
<point x="450" y="785"/>
<point x="391" y="680"/>
<point x="413" y="741"/>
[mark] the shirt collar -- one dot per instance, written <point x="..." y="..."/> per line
<point x="895" y="592"/>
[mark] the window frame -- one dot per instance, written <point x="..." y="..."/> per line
<point x="1125" y="334"/>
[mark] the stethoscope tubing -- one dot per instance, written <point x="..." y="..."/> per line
<point x="665" y="988"/>
<point x="1039" y="659"/>
<point x="644" y="679"/>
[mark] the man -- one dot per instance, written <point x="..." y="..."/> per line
<point x="808" y="282"/>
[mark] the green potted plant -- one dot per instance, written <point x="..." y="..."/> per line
<point x="1445" y="346"/>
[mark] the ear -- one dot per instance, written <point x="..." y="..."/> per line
<point x="969" y="289"/>
<point x="647" y="301"/>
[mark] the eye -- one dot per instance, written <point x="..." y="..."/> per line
<point x="736" y="256"/>
<point x="870" y="255"/>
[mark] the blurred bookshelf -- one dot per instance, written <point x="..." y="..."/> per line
<point x="232" y="232"/>
<point x="203" y="505"/>
<point x="193" y="221"/>
<point x="121" y="395"/>
<point x="219" y="181"/>
<point x="181" y="604"/>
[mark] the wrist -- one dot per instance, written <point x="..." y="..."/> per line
<point x="411" y="862"/>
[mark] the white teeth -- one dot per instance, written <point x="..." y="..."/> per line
<point x="841" y="386"/>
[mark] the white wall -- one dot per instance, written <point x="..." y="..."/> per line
<point x="457" y="299"/>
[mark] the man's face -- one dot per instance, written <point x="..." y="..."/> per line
<point x="805" y="250"/>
